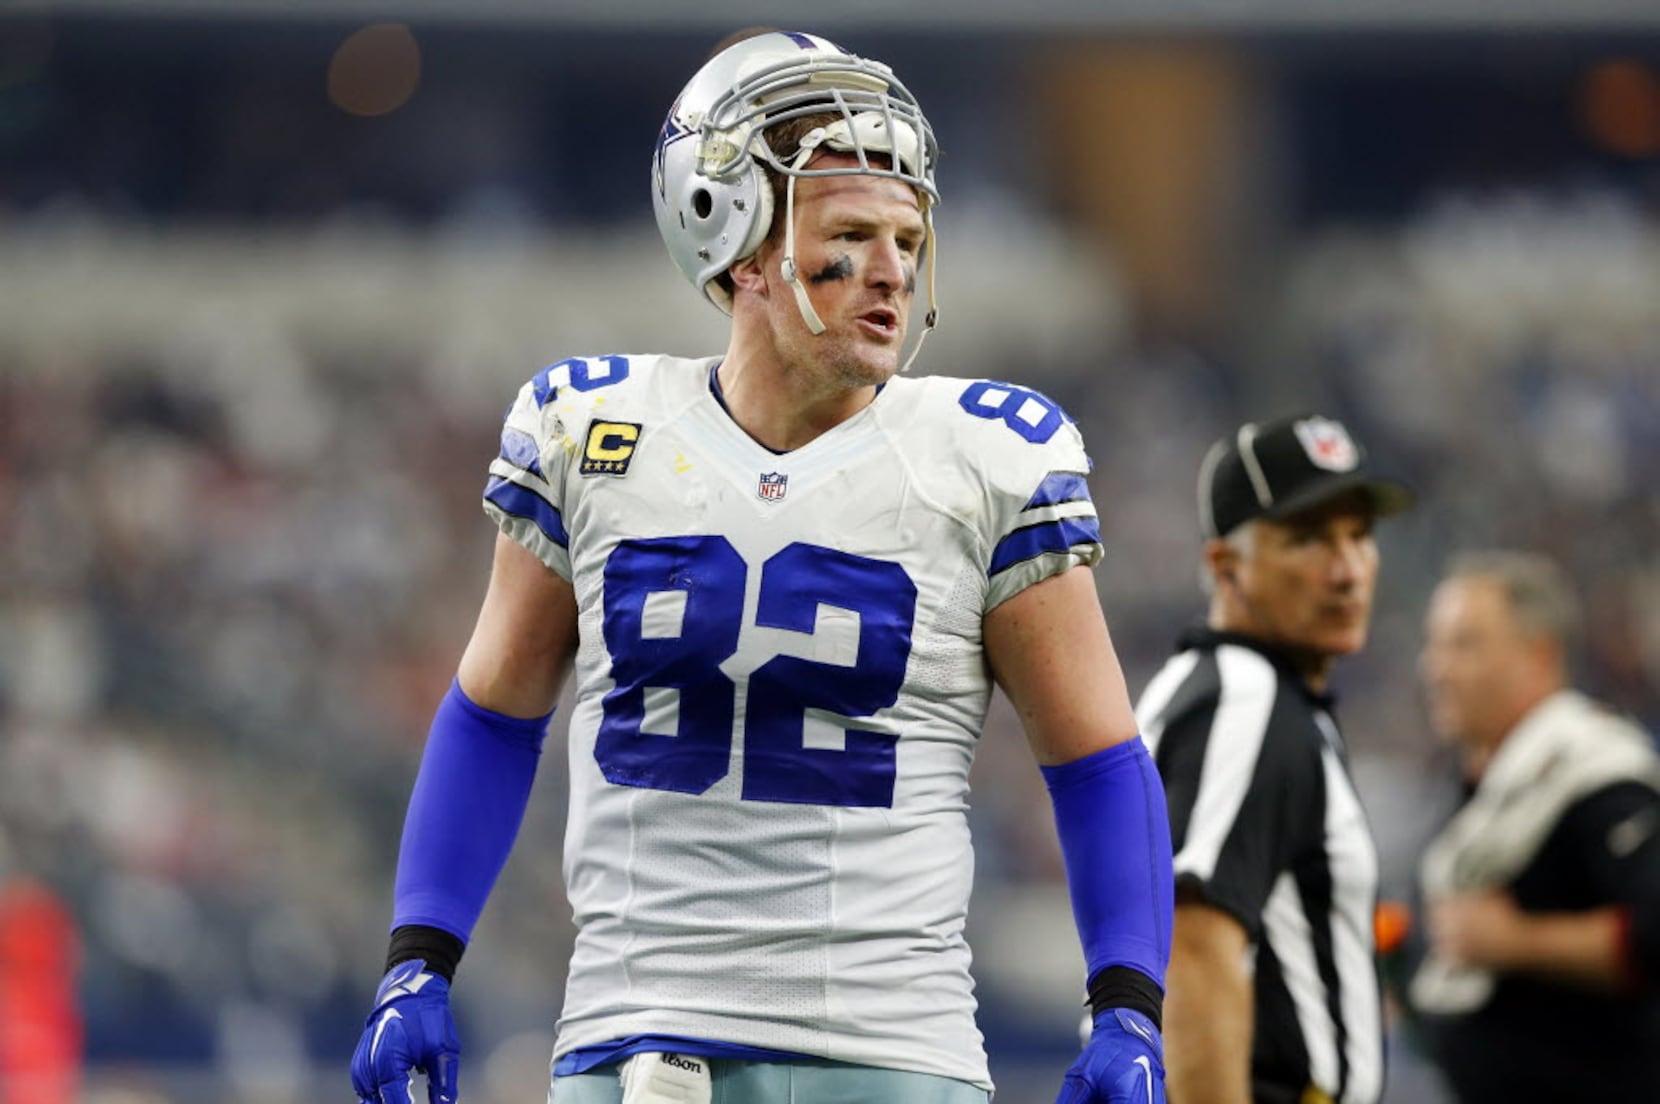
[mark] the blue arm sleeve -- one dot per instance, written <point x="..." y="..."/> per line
<point x="469" y="800"/>
<point x="1115" y="838"/>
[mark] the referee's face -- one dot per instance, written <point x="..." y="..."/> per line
<point x="1306" y="583"/>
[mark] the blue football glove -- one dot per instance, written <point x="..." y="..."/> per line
<point x="1122" y="1063"/>
<point x="410" y="1029"/>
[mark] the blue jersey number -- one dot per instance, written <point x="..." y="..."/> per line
<point x="703" y="578"/>
<point x="708" y="572"/>
<point x="581" y="373"/>
<point x="1034" y="416"/>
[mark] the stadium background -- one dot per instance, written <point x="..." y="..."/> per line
<point x="270" y="272"/>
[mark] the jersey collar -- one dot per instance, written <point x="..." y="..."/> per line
<point x="1283" y="659"/>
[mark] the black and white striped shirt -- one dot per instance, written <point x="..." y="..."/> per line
<point x="1267" y="827"/>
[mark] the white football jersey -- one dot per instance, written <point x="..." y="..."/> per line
<point x="780" y="683"/>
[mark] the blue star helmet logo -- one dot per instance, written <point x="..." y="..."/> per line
<point x="673" y="131"/>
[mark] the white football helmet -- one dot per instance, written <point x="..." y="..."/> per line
<point x="713" y="203"/>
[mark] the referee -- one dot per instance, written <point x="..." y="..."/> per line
<point x="1272" y="992"/>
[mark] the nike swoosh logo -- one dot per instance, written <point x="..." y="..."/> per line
<point x="380" y="1029"/>
<point x="1136" y="1029"/>
<point x="406" y="986"/>
<point x="1146" y="1068"/>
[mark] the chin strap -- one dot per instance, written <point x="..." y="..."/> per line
<point x="787" y="266"/>
<point x="930" y="319"/>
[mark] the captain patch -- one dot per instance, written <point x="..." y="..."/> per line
<point x="609" y="448"/>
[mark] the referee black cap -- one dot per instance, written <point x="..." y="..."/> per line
<point x="1283" y="467"/>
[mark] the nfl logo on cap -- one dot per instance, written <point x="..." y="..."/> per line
<point x="1328" y="444"/>
<point x="772" y="486"/>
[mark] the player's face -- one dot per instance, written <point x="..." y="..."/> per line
<point x="1475" y="656"/>
<point x="1307" y="582"/>
<point x="857" y="244"/>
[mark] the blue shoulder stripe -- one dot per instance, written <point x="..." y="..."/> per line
<point x="522" y="502"/>
<point x="1049" y="536"/>
<point x="519" y="449"/>
<point x="1059" y="487"/>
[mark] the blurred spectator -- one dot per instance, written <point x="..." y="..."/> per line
<point x="1541" y="981"/>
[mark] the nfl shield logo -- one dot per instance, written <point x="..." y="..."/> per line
<point x="1328" y="444"/>
<point x="772" y="486"/>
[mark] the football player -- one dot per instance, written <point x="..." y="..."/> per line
<point x="786" y="578"/>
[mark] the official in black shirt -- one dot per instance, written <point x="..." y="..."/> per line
<point x="1540" y="985"/>
<point x="1272" y="992"/>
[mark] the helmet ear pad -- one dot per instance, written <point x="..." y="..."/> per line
<point x="760" y="224"/>
<point x="715" y="210"/>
